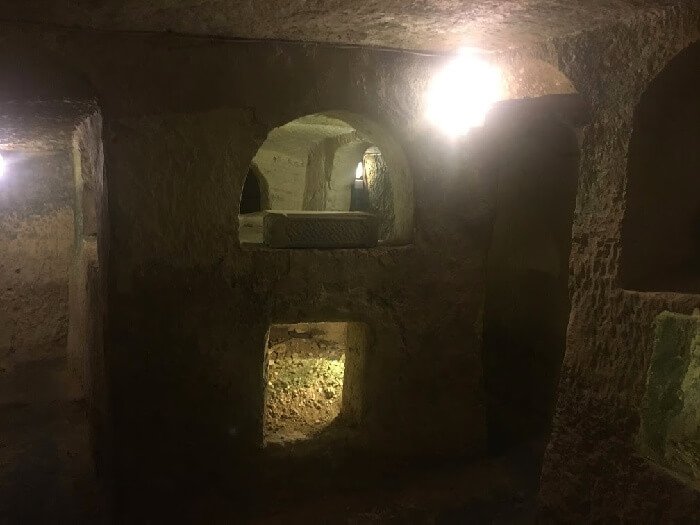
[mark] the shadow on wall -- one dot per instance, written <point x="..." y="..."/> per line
<point x="661" y="228"/>
<point x="329" y="162"/>
<point x="527" y="305"/>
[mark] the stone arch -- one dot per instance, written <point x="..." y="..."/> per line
<point x="309" y="164"/>
<point x="660" y="244"/>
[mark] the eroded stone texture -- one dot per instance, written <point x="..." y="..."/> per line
<point x="592" y="471"/>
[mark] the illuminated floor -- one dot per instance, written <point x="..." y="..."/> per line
<point x="306" y="365"/>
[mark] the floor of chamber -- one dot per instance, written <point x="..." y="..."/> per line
<point x="46" y="469"/>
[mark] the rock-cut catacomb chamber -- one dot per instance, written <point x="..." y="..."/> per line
<point x="327" y="180"/>
<point x="661" y="228"/>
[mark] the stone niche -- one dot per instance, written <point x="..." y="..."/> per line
<point x="313" y="378"/>
<point x="670" y="413"/>
<point x="661" y="228"/>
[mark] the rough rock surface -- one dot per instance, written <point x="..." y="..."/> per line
<point x="415" y="24"/>
<point x="38" y="125"/>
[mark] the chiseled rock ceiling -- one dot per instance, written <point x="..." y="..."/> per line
<point x="430" y="25"/>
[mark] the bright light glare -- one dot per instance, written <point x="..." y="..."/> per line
<point x="359" y="172"/>
<point x="460" y="96"/>
<point x="2" y="166"/>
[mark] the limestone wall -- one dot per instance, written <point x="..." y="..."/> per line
<point x="189" y="308"/>
<point x="36" y="242"/>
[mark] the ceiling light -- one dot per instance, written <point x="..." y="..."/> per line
<point x="460" y="96"/>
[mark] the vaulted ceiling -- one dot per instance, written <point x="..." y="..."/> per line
<point x="432" y="25"/>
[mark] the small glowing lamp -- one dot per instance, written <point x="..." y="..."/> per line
<point x="359" y="171"/>
<point x="460" y="96"/>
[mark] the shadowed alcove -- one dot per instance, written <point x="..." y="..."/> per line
<point x="254" y="195"/>
<point x="661" y="228"/>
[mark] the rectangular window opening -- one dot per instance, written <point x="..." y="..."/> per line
<point x="313" y="381"/>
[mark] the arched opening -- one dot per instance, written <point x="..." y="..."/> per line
<point x="527" y="306"/>
<point x="342" y="181"/>
<point x="53" y="401"/>
<point x="661" y="227"/>
<point x="251" y="197"/>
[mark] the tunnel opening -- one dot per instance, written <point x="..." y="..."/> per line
<point x="252" y="195"/>
<point x="53" y="410"/>
<point x="660" y="245"/>
<point x="669" y="415"/>
<point x="330" y="180"/>
<point x="527" y="304"/>
<point x="313" y="378"/>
